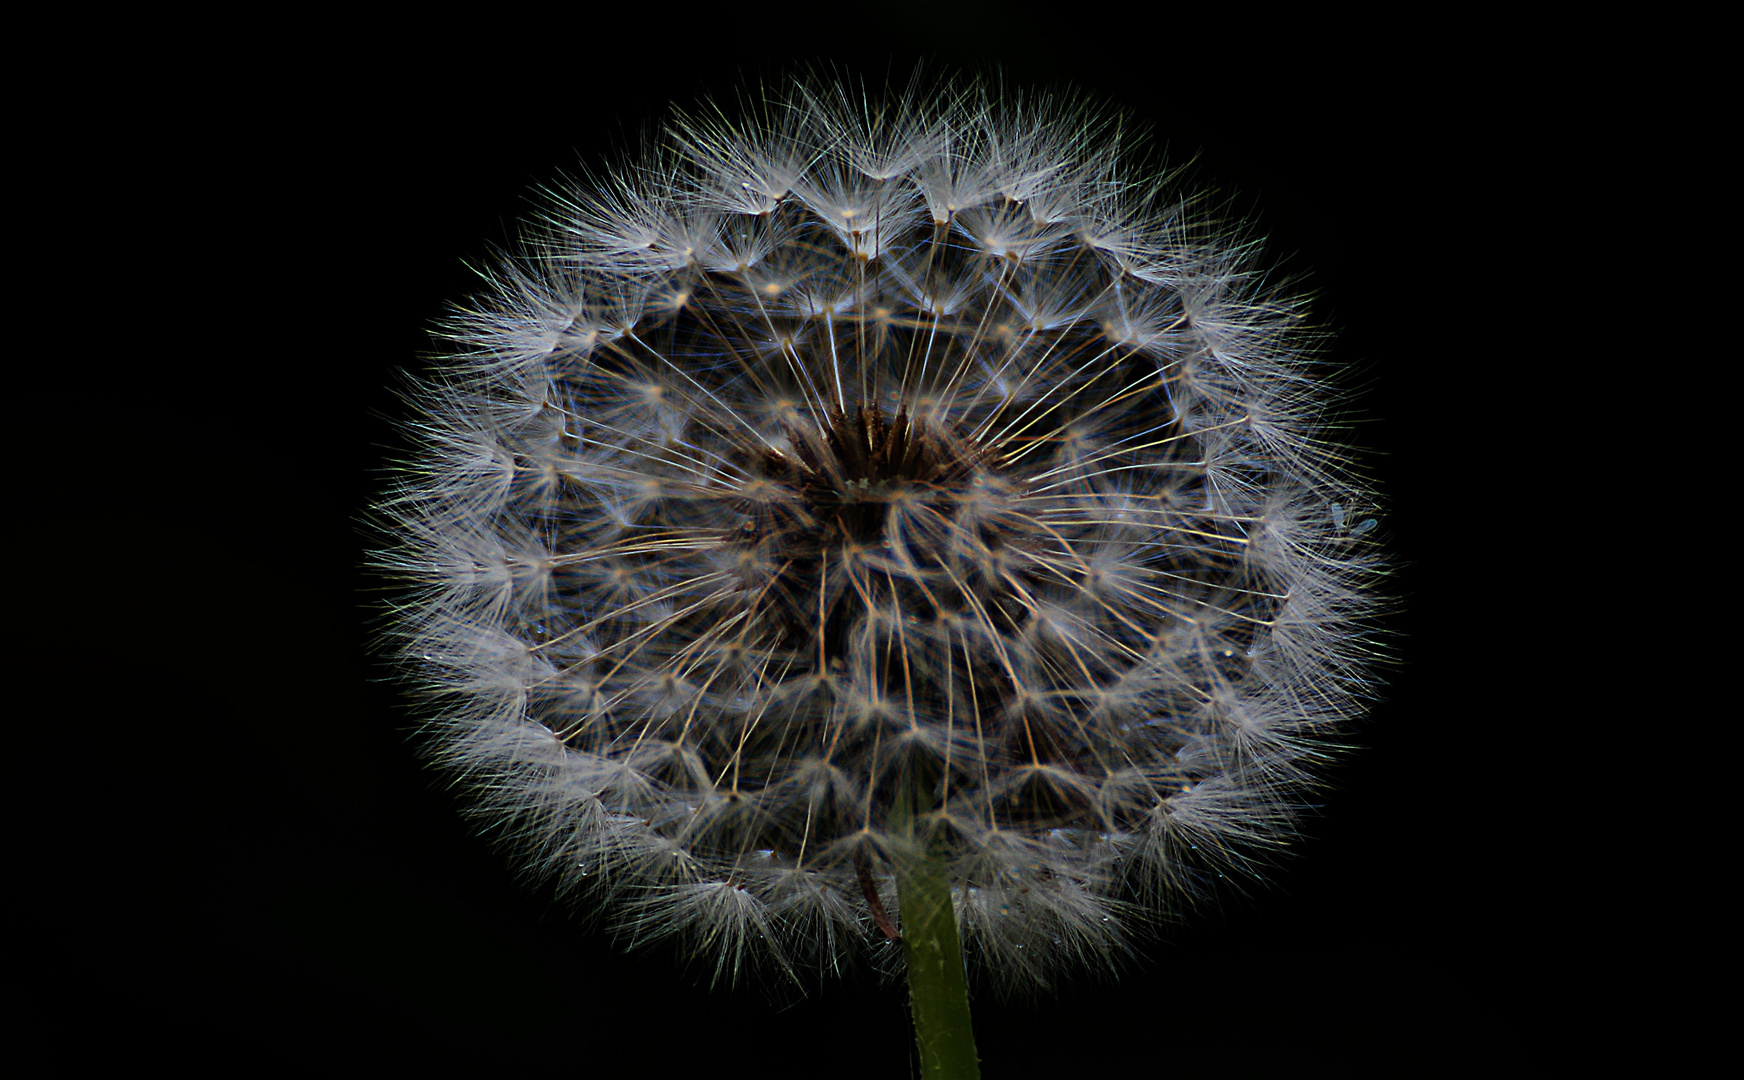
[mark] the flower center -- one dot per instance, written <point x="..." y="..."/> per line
<point x="867" y="515"/>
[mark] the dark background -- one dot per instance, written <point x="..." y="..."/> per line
<point x="306" y="892"/>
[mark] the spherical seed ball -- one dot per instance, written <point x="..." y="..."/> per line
<point x="872" y="467"/>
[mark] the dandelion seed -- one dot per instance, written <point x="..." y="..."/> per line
<point x="873" y="476"/>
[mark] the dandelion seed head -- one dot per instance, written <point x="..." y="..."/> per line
<point x="863" y="442"/>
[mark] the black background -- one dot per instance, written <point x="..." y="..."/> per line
<point x="308" y="893"/>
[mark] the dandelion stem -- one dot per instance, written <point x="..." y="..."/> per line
<point x="938" y="996"/>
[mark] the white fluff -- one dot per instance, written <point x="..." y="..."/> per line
<point x="686" y="650"/>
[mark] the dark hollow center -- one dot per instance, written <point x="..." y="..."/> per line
<point x="830" y="496"/>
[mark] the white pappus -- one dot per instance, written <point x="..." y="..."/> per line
<point x="862" y="457"/>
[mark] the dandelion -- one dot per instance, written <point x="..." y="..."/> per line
<point x="880" y="519"/>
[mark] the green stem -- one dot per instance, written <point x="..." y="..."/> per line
<point x="938" y="995"/>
